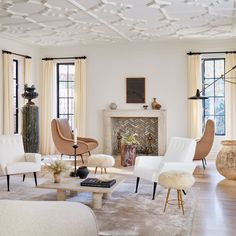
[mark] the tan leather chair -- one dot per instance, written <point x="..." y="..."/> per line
<point x="63" y="139"/>
<point x="204" y="144"/>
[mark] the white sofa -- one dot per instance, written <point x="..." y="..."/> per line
<point x="179" y="156"/>
<point x="46" y="218"/>
<point x="13" y="159"/>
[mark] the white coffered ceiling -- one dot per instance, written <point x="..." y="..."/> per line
<point x="63" y="22"/>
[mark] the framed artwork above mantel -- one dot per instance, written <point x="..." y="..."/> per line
<point x="135" y="90"/>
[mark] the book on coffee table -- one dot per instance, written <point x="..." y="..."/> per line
<point x="94" y="182"/>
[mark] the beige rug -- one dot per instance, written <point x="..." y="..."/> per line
<point x="125" y="213"/>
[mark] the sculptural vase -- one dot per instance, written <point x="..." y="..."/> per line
<point x="155" y="104"/>
<point x="82" y="172"/>
<point x="226" y="159"/>
<point x="128" y="154"/>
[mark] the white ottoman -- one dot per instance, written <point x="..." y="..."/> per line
<point x="101" y="160"/>
<point x="178" y="180"/>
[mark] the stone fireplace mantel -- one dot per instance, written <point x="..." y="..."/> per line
<point x="108" y="115"/>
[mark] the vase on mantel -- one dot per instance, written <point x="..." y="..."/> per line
<point x="156" y="105"/>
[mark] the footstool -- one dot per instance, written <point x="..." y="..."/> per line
<point x="102" y="161"/>
<point x="179" y="180"/>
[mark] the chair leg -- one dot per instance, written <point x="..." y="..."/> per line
<point x="167" y="197"/>
<point x="181" y="201"/>
<point x="8" y="183"/>
<point x="203" y="164"/>
<point x="205" y="161"/>
<point x="35" y="179"/>
<point x="178" y="197"/>
<point x="23" y="177"/>
<point x="105" y="170"/>
<point x="89" y="153"/>
<point x="96" y="170"/>
<point x="154" y="190"/>
<point x="82" y="159"/>
<point x="61" y="155"/>
<point x="137" y="182"/>
<point x="183" y="192"/>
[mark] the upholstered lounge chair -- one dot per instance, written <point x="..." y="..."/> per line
<point x="13" y="159"/>
<point x="63" y="139"/>
<point x="179" y="156"/>
<point x="204" y="144"/>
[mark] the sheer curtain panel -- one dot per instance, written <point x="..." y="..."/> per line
<point x="194" y="107"/>
<point x="28" y="74"/>
<point x="47" y="108"/>
<point x="80" y="96"/>
<point x="8" y="120"/>
<point x="230" y="97"/>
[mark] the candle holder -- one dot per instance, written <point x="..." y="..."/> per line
<point x="73" y="173"/>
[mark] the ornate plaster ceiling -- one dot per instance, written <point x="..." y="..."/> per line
<point x="63" y="22"/>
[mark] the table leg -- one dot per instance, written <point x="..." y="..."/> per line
<point x="61" y="195"/>
<point x="97" y="200"/>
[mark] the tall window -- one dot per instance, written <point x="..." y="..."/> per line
<point x="65" y="91"/>
<point x="214" y="107"/>
<point x="15" y="94"/>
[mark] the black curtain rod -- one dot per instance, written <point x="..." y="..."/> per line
<point x="7" y="52"/>
<point x="199" y="53"/>
<point x="58" y="58"/>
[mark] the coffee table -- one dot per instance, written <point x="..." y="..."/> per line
<point x="72" y="184"/>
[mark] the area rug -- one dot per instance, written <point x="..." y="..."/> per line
<point x="124" y="213"/>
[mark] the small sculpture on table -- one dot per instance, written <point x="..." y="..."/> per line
<point x="119" y="137"/>
<point x="150" y="139"/>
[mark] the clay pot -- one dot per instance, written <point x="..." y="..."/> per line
<point x="155" y="104"/>
<point x="57" y="178"/>
<point x="226" y="159"/>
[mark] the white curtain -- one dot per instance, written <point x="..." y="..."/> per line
<point x="47" y="108"/>
<point x="80" y="96"/>
<point x="194" y="106"/>
<point x="27" y="68"/>
<point x="230" y="96"/>
<point x="8" y="120"/>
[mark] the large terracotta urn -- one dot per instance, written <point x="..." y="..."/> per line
<point x="226" y="159"/>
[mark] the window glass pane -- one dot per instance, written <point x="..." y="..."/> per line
<point x="210" y="90"/>
<point x="209" y="69"/>
<point x="71" y="106"/>
<point x="63" y="108"/>
<point x="71" y="120"/>
<point x="219" y="106"/>
<point x="71" y="89"/>
<point x="14" y="69"/>
<point x="63" y="72"/>
<point x="219" y="88"/>
<point x="209" y="106"/>
<point x="62" y="89"/>
<point x="71" y="72"/>
<point x="219" y="68"/>
<point x="220" y="125"/>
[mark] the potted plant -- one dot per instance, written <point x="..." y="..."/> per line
<point x="57" y="167"/>
<point x="128" y="150"/>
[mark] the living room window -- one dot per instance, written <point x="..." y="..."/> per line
<point x="65" y="91"/>
<point x="15" y="95"/>
<point x="214" y="106"/>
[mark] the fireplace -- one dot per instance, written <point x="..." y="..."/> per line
<point x="149" y="125"/>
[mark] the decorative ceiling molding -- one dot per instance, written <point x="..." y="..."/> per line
<point x="65" y="22"/>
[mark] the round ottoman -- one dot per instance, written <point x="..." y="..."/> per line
<point x="178" y="180"/>
<point x="101" y="160"/>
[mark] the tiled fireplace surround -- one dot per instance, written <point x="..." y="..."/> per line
<point x="141" y="122"/>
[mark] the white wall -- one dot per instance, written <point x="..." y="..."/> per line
<point x="16" y="47"/>
<point x="162" y="63"/>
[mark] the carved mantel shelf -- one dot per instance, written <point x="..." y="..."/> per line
<point x="107" y="124"/>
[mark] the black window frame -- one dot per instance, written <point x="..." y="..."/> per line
<point x="68" y="115"/>
<point x="214" y="85"/>
<point x="16" y="110"/>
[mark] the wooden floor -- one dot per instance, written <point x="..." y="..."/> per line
<point x="216" y="209"/>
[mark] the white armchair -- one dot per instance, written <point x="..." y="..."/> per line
<point x="179" y="156"/>
<point x="13" y="160"/>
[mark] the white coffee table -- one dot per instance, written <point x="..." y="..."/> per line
<point x="72" y="184"/>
